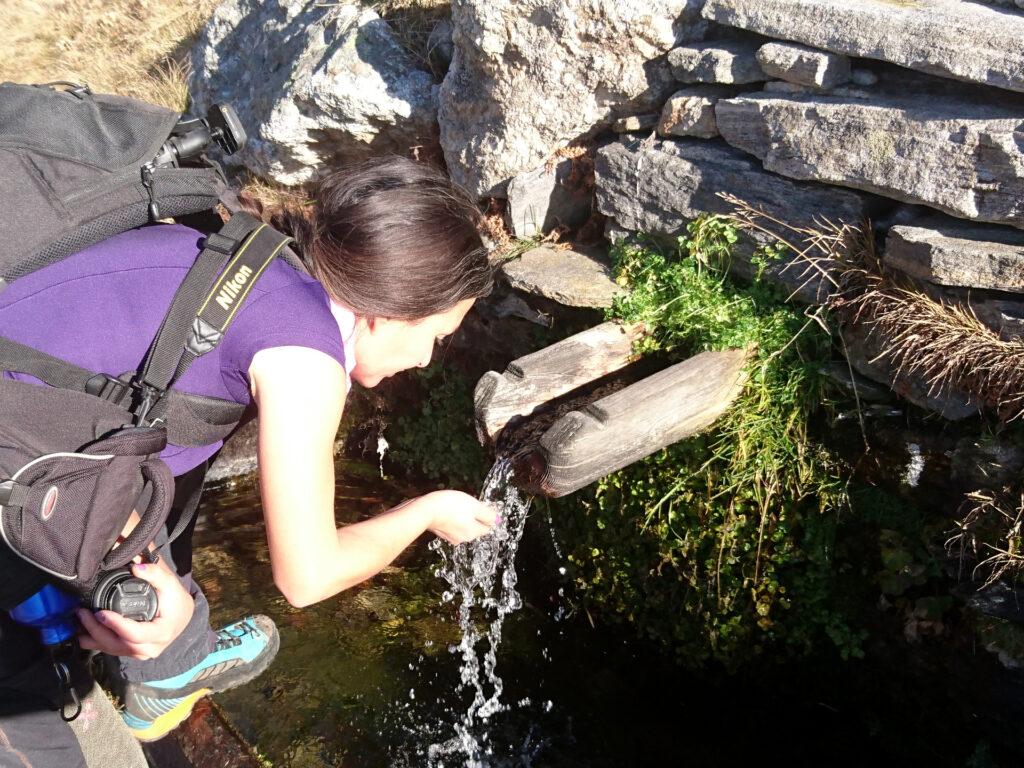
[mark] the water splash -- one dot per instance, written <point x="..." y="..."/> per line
<point x="382" y="448"/>
<point x="482" y="576"/>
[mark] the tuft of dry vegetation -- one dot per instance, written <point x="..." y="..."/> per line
<point x="412" y="22"/>
<point x="989" y="533"/>
<point x="136" y="48"/>
<point x="945" y="344"/>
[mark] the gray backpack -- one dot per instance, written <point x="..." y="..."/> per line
<point x="78" y="456"/>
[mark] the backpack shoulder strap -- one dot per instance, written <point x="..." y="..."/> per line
<point x="200" y="313"/>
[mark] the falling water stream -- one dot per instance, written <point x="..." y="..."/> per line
<point x="481" y="576"/>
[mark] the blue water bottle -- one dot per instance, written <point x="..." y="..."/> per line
<point x="51" y="611"/>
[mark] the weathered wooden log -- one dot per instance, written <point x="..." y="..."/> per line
<point x="548" y="373"/>
<point x="612" y="433"/>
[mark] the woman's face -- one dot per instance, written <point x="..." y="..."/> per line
<point x="384" y="346"/>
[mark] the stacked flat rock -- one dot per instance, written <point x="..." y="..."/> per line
<point x="958" y="153"/>
<point x="691" y="111"/>
<point x="962" y="40"/>
<point x="718" y="61"/>
<point x="802" y="65"/>
<point x="660" y="186"/>
<point x="952" y="253"/>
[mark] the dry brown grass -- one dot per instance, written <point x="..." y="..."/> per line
<point x="989" y="533"/>
<point x="944" y="344"/>
<point x="133" y="48"/>
<point x="412" y="21"/>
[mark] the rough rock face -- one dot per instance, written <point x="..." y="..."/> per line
<point x="719" y="61"/>
<point x="552" y="195"/>
<point x="955" y="153"/>
<point x="633" y="123"/>
<point x="570" y="276"/>
<point x="803" y="65"/>
<point x="954" y="254"/>
<point x="962" y="40"/>
<point x="312" y="84"/>
<point x="691" y="111"/>
<point x="865" y="352"/>
<point x="659" y="186"/>
<point x="530" y="76"/>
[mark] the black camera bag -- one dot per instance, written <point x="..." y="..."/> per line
<point x="75" y="169"/>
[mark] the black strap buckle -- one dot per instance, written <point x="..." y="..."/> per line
<point x="148" y="397"/>
<point x="107" y="387"/>
<point x="220" y="243"/>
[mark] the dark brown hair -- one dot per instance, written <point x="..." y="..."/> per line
<point x="389" y="237"/>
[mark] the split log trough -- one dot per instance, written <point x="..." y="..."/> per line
<point x="596" y="439"/>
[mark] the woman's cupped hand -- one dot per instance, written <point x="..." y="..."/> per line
<point x="459" y="517"/>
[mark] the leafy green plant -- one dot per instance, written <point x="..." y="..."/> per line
<point x="723" y="543"/>
<point x="437" y="440"/>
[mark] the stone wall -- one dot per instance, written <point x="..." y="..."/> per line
<point x="909" y="112"/>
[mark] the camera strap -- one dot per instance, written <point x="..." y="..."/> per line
<point x="204" y="305"/>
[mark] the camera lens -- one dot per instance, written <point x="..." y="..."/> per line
<point x="125" y="594"/>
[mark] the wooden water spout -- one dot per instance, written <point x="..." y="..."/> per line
<point x="596" y="439"/>
<point x="533" y="380"/>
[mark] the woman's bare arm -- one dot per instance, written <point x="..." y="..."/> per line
<point x="300" y="394"/>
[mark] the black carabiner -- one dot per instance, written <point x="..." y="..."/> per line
<point x="67" y="691"/>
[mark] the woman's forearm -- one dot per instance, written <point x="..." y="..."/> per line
<point x="365" y="548"/>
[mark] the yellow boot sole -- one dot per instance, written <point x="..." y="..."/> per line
<point x="170" y="720"/>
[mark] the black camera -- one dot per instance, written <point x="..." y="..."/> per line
<point x="191" y="138"/>
<point x="123" y="593"/>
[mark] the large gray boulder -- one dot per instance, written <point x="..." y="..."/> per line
<point x="314" y="84"/>
<point x="660" y="186"/>
<point x="530" y="76"/>
<point x="952" y="38"/>
<point x="556" y="194"/>
<point x="952" y="253"/>
<point x="956" y="153"/>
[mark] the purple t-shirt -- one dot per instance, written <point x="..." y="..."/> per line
<point x="100" y="309"/>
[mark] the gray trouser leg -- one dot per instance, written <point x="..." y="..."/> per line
<point x="197" y="640"/>
<point x="33" y="735"/>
